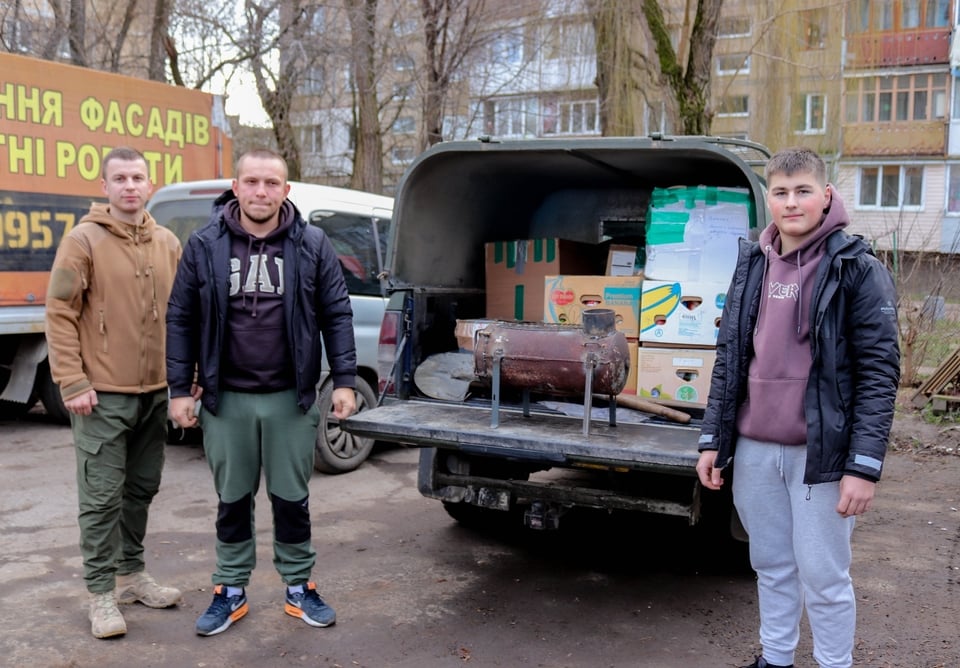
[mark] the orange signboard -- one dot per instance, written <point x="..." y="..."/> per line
<point x="57" y="122"/>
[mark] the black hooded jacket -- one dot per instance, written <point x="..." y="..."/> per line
<point x="315" y="302"/>
<point x="855" y="361"/>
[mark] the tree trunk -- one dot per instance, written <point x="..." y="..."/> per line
<point x="77" y="32"/>
<point x="157" y="70"/>
<point x="368" y="153"/>
<point x="433" y="93"/>
<point x="614" y="75"/>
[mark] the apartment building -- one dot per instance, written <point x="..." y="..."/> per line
<point x="867" y="83"/>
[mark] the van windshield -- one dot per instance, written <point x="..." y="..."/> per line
<point x="182" y="216"/>
<point x="360" y="241"/>
<point x="361" y="245"/>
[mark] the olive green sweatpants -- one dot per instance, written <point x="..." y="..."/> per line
<point x="252" y="433"/>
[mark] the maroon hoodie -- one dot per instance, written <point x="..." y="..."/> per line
<point x="777" y="376"/>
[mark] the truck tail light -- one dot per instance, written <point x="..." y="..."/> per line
<point x="387" y="351"/>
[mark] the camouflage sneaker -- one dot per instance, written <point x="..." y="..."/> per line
<point x="105" y="619"/>
<point x="143" y="588"/>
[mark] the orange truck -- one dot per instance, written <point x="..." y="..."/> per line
<point x="57" y="122"/>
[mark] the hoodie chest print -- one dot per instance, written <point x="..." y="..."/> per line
<point x="784" y="291"/>
<point x="257" y="278"/>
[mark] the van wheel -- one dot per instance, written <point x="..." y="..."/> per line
<point x="49" y="393"/>
<point x="336" y="450"/>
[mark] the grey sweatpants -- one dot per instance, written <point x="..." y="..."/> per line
<point x="800" y="549"/>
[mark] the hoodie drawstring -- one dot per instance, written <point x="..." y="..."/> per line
<point x="256" y="280"/>
<point x="800" y="295"/>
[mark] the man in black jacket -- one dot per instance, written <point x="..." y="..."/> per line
<point x="255" y="289"/>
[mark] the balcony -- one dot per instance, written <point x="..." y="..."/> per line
<point x="928" y="46"/>
<point x="914" y="138"/>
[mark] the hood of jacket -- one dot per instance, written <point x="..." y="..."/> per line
<point x="102" y="215"/>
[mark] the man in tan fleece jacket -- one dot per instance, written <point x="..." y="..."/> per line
<point x="106" y="308"/>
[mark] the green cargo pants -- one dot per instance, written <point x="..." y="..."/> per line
<point x="250" y="433"/>
<point x="120" y="451"/>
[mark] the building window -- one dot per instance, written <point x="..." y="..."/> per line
<point x="891" y="187"/>
<point x="810" y="114"/>
<point x="733" y="26"/>
<point x="733" y="63"/>
<point x="896" y="15"/>
<point x="511" y="117"/>
<point x="953" y="188"/>
<point x="404" y="125"/>
<point x="507" y="48"/>
<point x="891" y="99"/>
<point x="937" y="13"/>
<point x="313" y="81"/>
<point x="402" y="155"/>
<point x="404" y="27"/>
<point x="734" y="105"/>
<point x="569" y="39"/>
<point x="814" y="24"/>
<point x="577" y="118"/>
<point x="404" y="91"/>
<point x="311" y="139"/>
<point x="317" y="15"/>
<point x="403" y="63"/>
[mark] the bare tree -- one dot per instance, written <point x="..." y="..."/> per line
<point x="267" y="24"/>
<point x="452" y="32"/>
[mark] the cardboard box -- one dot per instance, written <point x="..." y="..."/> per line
<point x="693" y="232"/>
<point x="515" y="271"/>
<point x="631" y="386"/>
<point x="681" y="313"/>
<point x="675" y="376"/>
<point x="566" y="297"/>
<point x="622" y="260"/>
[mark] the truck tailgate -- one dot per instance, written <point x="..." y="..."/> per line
<point x="553" y="438"/>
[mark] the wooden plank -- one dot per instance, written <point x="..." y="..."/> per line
<point x="945" y="374"/>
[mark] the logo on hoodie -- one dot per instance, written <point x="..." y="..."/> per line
<point x="786" y="291"/>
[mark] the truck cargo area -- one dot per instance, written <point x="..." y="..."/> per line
<point x="580" y="197"/>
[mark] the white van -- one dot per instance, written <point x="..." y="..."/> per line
<point x="357" y="223"/>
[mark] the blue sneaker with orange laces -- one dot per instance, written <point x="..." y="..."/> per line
<point x="223" y="611"/>
<point x="308" y="606"/>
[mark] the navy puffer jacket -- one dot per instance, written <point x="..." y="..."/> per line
<point x="316" y="302"/>
<point x="855" y="361"/>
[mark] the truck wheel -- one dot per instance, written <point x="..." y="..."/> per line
<point x="49" y="393"/>
<point x="475" y="517"/>
<point x="336" y="450"/>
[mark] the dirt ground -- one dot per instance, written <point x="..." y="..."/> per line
<point x="917" y="612"/>
<point x="414" y="590"/>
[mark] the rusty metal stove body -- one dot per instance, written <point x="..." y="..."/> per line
<point x="554" y="359"/>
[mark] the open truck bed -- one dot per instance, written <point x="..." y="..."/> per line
<point x="458" y="198"/>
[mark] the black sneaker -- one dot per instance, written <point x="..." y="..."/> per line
<point x="309" y="607"/>
<point x="760" y="662"/>
<point x="223" y="611"/>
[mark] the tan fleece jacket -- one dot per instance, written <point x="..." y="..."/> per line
<point x="107" y="303"/>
